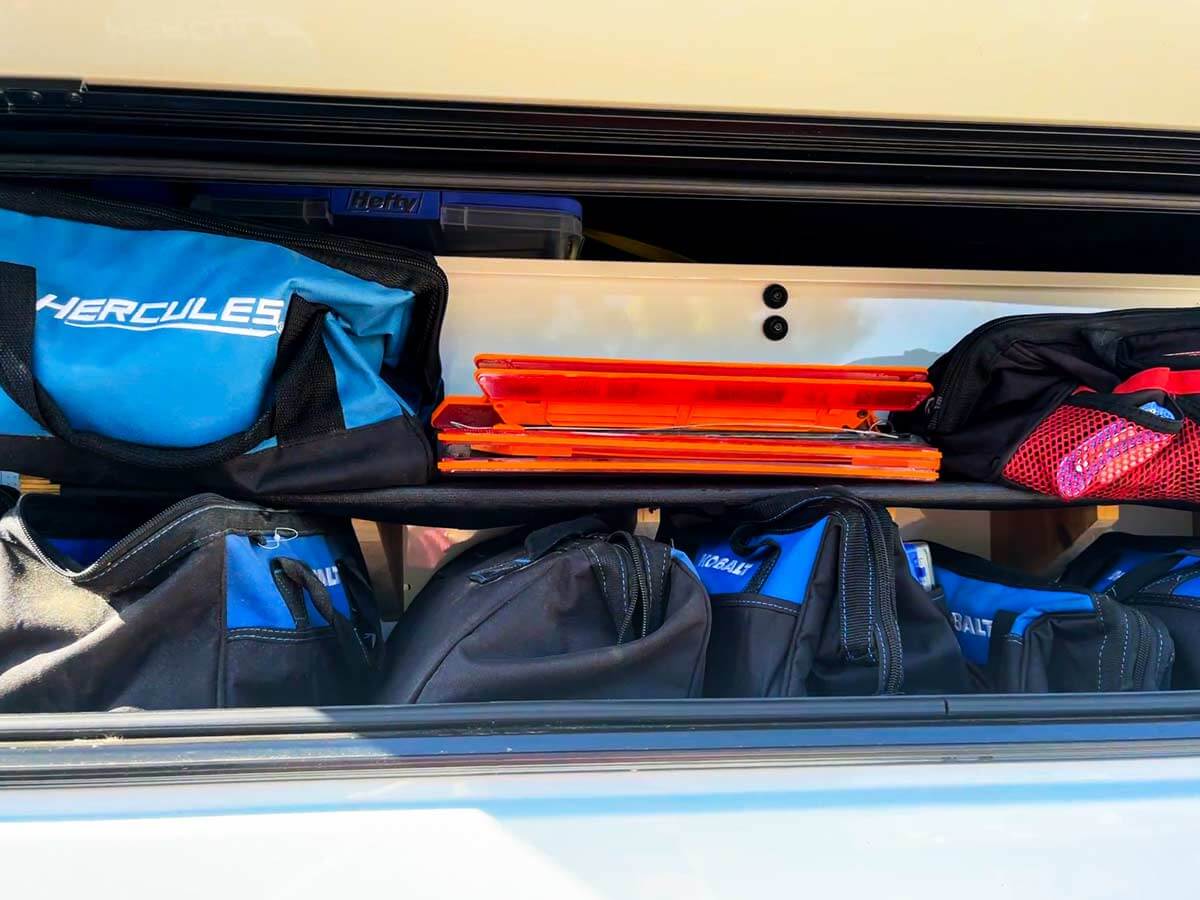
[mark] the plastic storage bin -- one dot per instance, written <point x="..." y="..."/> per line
<point x="443" y="222"/>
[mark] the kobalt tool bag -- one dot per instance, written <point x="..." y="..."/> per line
<point x="1064" y="404"/>
<point x="574" y="612"/>
<point x="812" y="595"/>
<point x="210" y="603"/>
<point x="143" y="344"/>
<point x="1027" y="635"/>
<point x="1157" y="575"/>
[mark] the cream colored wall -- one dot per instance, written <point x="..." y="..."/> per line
<point x="1081" y="61"/>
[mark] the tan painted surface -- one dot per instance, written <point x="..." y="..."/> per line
<point x="1081" y="61"/>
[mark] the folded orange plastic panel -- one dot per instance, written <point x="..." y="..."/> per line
<point x="608" y="399"/>
<point x="879" y="452"/>
<point x="673" y="367"/>
<point x="570" y="466"/>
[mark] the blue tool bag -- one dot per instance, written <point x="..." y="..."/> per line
<point x="812" y="595"/>
<point x="1159" y="576"/>
<point x="1027" y="635"/>
<point x="208" y="603"/>
<point x="150" y="346"/>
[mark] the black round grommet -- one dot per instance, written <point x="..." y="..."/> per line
<point x="775" y="328"/>
<point x="775" y="296"/>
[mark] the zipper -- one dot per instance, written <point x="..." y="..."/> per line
<point x="1161" y="667"/>
<point x="141" y="535"/>
<point x="957" y="385"/>
<point x="622" y="543"/>
<point x="370" y="251"/>
<point x="1141" y="655"/>
<point x="641" y="580"/>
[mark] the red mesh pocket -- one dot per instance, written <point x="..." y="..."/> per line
<point x="1079" y="452"/>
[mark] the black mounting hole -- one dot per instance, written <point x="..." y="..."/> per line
<point x="775" y="328"/>
<point x="775" y="295"/>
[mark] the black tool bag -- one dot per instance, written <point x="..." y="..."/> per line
<point x="812" y="595"/>
<point x="1009" y="376"/>
<point x="1159" y="576"/>
<point x="572" y="613"/>
<point x="209" y="603"/>
<point x="1029" y="635"/>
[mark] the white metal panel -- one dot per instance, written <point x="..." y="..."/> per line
<point x="1077" y="61"/>
<point x="1074" y="828"/>
<point x="715" y="312"/>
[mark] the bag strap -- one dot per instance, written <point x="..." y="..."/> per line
<point x="870" y="630"/>
<point x="292" y="576"/>
<point x="303" y="401"/>
<point x="1140" y="577"/>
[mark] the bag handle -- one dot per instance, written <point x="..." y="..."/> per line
<point x="1140" y="577"/>
<point x="760" y="516"/>
<point x="294" y="575"/>
<point x="1170" y="381"/>
<point x="539" y="543"/>
<point x="304" y="400"/>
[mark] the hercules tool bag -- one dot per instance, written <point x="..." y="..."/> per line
<point x="145" y="345"/>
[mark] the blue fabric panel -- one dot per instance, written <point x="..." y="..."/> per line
<point x="682" y="558"/>
<point x="724" y="572"/>
<point x="365" y="397"/>
<point x="1191" y="586"/>
<point x="973" y="605"/>
<point x="168" y="338"/>
<point x="1129" y="560"/>
<point x="84" y="551"/>
<point x="252" y="597"/>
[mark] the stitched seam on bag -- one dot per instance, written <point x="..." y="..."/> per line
<point x="1124" y="651"/>
<point x="182" y="550"/>
<point x="842" y="591"/>
<point x="698" y="665"/>
<point x="279" y="640"/>
<point x="625" y="610"/>
<point x="158" y="534"/>
<point x="765" y="605"/>
<point x="1158" y="655"/>
<point x="590" y="553"/>
<point x="883" y="657"/>
<point x="663" y="581"/>
<point x="594" y="558"/>
<point x="1103" y="642"/>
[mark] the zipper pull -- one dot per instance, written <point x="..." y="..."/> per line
<point x="277" y="539"/>
<point x="498" y="571"/>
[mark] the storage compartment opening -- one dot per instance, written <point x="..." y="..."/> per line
<point x="1040" y="538"/>
<point x="942" y="230"/>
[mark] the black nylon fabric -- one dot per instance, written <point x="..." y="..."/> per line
<point x="145" y="626"/>
<point x="551" y="628"/>
<point x="1066" y="652"/>
<point x="996" y="384"/>
<point x="765" y="646"/>
<point x="1152" y="586"/>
